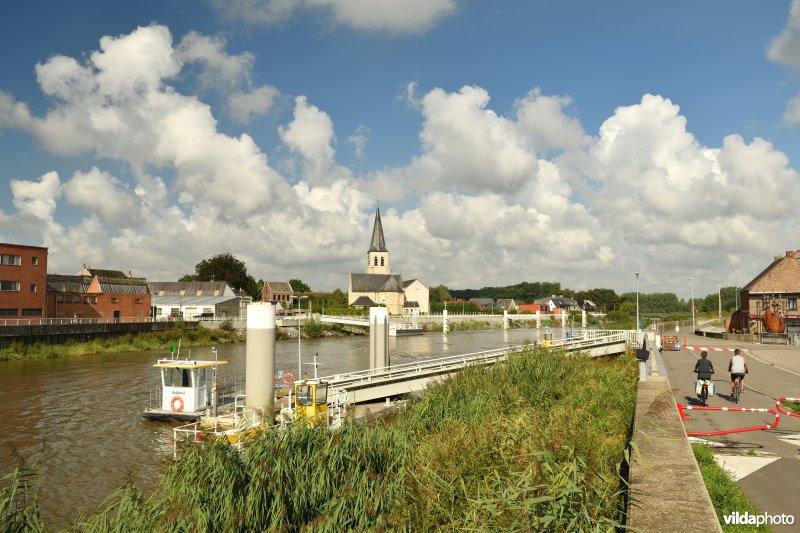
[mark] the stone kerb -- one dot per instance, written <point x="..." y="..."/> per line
<point x="666" y="491"/>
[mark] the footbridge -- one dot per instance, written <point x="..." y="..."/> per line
<point x="392" y="381"/>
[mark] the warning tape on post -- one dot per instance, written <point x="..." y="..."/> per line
<point x="777" y="421"/>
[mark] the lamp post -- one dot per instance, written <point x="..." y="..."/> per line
<point x="692" y="303"/>
<point x="299" y="336"/>
<point x="637" y="303"/>
<point x="719" y="300"/>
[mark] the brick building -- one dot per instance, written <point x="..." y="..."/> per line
<point x="277" y="292"/>
<point x="777" y="287"/>
<point x="96" y="293"/>
<point x="23" y="272"/>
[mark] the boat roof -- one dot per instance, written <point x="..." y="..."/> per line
<point x="183" y="363"/>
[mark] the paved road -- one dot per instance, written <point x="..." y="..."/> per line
<point x="766" y="464"/>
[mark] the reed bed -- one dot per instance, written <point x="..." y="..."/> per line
<point x="534" y="443"/>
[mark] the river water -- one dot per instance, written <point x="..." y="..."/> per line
<point x="78" y="420"/>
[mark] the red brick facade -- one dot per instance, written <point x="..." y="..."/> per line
<point x="23" y="281"/>
<point x="105" y="294"/>
<point x="777" y="287"/>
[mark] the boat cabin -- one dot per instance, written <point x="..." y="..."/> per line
<point x="311" y="401"/>
<point x="186" y="386"/>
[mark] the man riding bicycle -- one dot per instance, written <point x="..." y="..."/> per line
<point x="737" y="366"/>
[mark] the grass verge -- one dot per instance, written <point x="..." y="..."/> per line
<point x="154" y="340"/>
<point x="726" y="496"/>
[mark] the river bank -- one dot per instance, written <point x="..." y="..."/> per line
<point x="202" y="337"/>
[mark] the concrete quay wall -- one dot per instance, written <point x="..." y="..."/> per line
<point x="667" y="491"/>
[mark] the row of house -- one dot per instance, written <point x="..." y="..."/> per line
<point x="551" y="304"/>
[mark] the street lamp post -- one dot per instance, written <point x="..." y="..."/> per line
<point x="719" y="300"/>
<point x="299" y="336"/>
<point x="692" y="302"/>
<point x="637" y="303"/>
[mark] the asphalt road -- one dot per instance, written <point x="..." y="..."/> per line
<point x="766" y="464"/>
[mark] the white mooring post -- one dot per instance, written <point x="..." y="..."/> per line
<point x="505" y="319"/>
<point x="445" y="325"/>
<point x="563" y="318"/>
<point x="538" y="319"/>
<point x="378" y="337"/>
<point x="260" y="359"/>
<point x="583" y="318"/>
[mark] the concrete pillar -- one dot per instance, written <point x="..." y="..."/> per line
<point x="445" y="325"/>
<point x="583" y="318"/>
<point x="538" y="319"/>
<point x="415" y="318"/>
<point x="378" y="337"/>
<point x="505" y="319"/>
<point x="260" y="359"/>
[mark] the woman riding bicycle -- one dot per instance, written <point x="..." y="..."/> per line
<point x="703" y="368"/>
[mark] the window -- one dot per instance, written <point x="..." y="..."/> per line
<point x="33" y="287"/>
<point x="68" y="298"/>
<point x="86" y="299"/>
<point x="138" y="300"/>
<point x="140" y="313"/>
<point x="9" y="286"/>
<point x="381" y="261"/>
<point x="59" y="298"/>
<point x="114" y="300"/>
<point x="94" y="299"/>
<point x="376" y="261"/>
<point x="34" y="261"/>
<point x="31" y="312"/>
<point x="10" y="260"/>
<point x="8" y="312"/>
<point x="793" y="304"/>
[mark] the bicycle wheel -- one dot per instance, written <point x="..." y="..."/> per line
<point x="704" y="395"/>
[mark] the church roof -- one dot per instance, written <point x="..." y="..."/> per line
<point x="376" y="282"/>
<point x="365" y="301"/>
<point x="378" y="243"/>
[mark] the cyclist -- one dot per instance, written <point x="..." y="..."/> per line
<point x="703" y="368"/>
<point x="737" y="366"/>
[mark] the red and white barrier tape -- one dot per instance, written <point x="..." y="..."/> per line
<point x="682" y="407"/>
<point x="700" y="348"/>
<point x="789" y="412"/>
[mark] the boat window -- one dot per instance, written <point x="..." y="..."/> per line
<point x="177" y="377"/>
<point x="304" y="393"/>
<point x="201" y="377"/>
<point x="322" y="394"/>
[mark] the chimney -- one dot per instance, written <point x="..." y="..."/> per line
<point x="130" y="274"/>
<point x="789" y="253"/>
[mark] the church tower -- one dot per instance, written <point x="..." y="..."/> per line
<point x="378" y="255"/>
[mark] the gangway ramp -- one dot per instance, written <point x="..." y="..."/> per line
<point x="393" y="381"/>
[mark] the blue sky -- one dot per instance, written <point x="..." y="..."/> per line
<point x="507" y="140"/>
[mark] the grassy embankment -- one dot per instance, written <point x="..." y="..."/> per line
<point x="535" y="443"/>
<point x="154" y="340"/>
<point x="726" y="496"/>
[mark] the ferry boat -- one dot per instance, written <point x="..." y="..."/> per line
<point x="187" y="391"/>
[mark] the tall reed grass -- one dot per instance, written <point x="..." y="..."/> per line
<point x="534" y="443"/>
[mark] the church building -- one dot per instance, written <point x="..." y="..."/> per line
<point x="378" y="286"/>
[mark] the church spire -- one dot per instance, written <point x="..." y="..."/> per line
<point x="378" y="243"/>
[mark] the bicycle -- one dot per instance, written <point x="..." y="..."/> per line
<point x="737" y="390"/>
<point x="703" y="391"/>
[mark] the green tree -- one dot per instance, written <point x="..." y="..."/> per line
<point x="299" y="286"/>
<point x="337" y="299"/>
<point x="440" y="293"/>
<point x="226" y="267"/>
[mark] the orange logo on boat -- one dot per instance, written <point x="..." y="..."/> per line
<point x="176" y="404"/>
